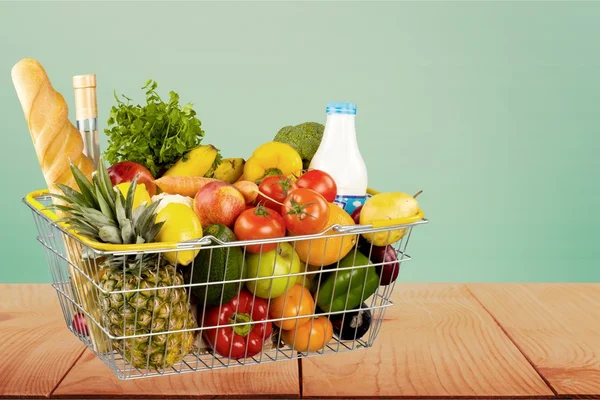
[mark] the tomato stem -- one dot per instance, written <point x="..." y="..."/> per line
<point x="269" y="172"/>
<point x="298" y="209"/>
<point x="261" y="211"/>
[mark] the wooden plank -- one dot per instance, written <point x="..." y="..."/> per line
<point x="91" y="378"/>
<point x="37" y="349"/>
<point x="37" y="299"/>
<point x="557" y="326"/>
<point x="436" y="341"/>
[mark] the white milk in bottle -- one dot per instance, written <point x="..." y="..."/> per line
<point x="339" y="156"/>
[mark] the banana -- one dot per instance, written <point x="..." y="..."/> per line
<point x="199" y="161"/>
<point x="230" y="169"/>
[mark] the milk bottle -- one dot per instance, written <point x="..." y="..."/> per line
<point x="339" y="156"/>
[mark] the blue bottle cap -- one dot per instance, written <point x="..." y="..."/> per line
<point x="341" y="108"/>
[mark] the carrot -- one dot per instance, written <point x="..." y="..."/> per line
<point x="248" y="189"/>
<point x="183" y="185"/>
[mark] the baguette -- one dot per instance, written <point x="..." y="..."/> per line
<point x="57" y="143"/>
<point x="56" y="140"/>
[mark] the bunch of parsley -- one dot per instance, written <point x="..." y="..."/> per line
<point x="155" y="135"/>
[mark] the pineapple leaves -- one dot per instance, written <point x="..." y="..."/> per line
<point x="72" y="195"/>
<point x="105" y="185"/>
<point x="104" y="206"/>
<point x="127" y="232"/>
<point x="96" y="217"/>
<point x="84" y="186"/>
<point x="104" y="213"/>
<point x="135" y="217"/>
<point x="130" y="197"/>
<point x="84" y="230"/>
<point x="110" y="234"/>
<point x="120" y="207"/>
<point x="146" y="222"/>
<point x="151" y="233"/>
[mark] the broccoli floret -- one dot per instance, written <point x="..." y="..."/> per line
<point x="305" y="138"/>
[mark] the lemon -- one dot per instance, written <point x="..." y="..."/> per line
<point x="384" y="207"/>
<point x="181" y="224"/>
<point x="141" y="194"/>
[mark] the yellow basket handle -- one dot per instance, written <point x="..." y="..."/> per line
<point x="31" y="200"/>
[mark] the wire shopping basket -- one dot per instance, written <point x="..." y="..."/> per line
<point x="144" y="315"/>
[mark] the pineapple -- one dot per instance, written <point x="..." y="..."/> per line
<point x="150" y="305"/>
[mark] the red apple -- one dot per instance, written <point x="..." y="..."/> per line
<point x="80" y="324"/>
<point x="219" y="203"/>
<point x="125" y="171"/>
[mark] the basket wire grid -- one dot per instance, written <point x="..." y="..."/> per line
<point x="149" y="321"/>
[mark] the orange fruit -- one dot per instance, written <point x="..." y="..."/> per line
<point x="328" y="250"/>
<point x="311" y="336"/>
<point x="295" y="302"/>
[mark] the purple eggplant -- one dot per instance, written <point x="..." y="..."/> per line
<point x="352" y="325"/>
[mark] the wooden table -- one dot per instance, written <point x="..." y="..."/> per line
<point x="438" y="341"/>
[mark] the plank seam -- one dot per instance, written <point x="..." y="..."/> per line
<point x="513" y="341"/>
<point x="66" y="373"/>
<point x="300" y="377"/>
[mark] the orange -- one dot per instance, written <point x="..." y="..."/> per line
<point x="328" y="250"/>
<point x="295" y="302"/>
<point x="311" y="336"/>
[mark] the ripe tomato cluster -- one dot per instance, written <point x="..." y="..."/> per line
<point x="287" y="205"/>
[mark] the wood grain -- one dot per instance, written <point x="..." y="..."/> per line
<point x="36" y="348"/>
<point x="91" y="378"/>
<point x="436" y="341"/>
<point x="557" y="326"/>
<point x="37" y="299"/>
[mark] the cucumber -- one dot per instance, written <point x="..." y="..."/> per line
<point x="224" y="264"/>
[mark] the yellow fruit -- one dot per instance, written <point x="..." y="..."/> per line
<point x="273" y="158"/>
<point x="181" y="224"/>
<point x="197" y="162"/>
<point x="141" y="194"/>
<point x="328" y="250"/>
<point x="230" y="169"/>
<point x="387" y="206"/>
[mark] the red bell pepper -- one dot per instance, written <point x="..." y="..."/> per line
<point x="249" y="336"/>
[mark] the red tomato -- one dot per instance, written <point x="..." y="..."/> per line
<point x="319" y="181"/>
<point x="305" y="212"/>
<point x="259" y="223"/>
<point x="276" y="187"/>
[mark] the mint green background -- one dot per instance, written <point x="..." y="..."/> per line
<point x="491" y="108"/>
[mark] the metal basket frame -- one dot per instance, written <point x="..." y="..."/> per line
<point x="63" y="248"/>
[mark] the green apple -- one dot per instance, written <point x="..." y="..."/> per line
<point x="281" y="261"/>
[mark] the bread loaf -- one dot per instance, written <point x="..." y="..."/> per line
<point x="57" y="141"/>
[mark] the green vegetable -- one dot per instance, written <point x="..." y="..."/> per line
<point x="217" y="265"/>
<point x="305" y="138"/>
<point x="155" y="134"/>
<point x="345" y="288"/>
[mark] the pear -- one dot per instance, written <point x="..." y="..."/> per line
<point x="388" y="206"/>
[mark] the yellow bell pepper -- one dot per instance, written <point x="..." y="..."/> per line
<point x="273" y="158"/>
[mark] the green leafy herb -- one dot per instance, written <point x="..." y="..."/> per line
<point x="155" y="135"/>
